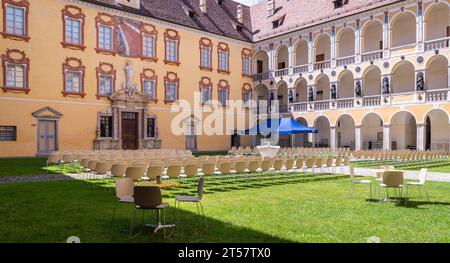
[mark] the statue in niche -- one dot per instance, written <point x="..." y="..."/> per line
<point x="310" y="94"/>
<point x="385" y="85"/>
<point x="358" y="91"/>
<point x="291" y="96"/>
<point x="333" y="91"/>
<point x="420" y="82"/>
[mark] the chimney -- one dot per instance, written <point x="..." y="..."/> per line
<point x="239" y="14"/>
<point x="202" y="5"/>
<point x="270" y="7"/>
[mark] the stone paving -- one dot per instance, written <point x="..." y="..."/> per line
<point x="410" y="175"/>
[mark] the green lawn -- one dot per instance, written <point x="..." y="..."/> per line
<point x="295" y="208"/>
<point x="442" y="165"/>
<point x="22" y="166"/>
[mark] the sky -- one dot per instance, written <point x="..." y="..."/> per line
<point x="248" y="2"/>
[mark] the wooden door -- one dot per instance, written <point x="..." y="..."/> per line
<point x="259" y="66"/>
<point x="129" y="131"/>
<point x="47" y="137"/>
<point x="191" y="137"/>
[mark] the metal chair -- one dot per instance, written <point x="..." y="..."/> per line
<point x="354" y="181"/>
<point x="124" y="192"/>
<point x="193" y="199"/>
<point x="420" y="185"/>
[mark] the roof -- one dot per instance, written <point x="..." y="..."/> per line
<point x="300" y="14"/>
<point x="218" y="19"/>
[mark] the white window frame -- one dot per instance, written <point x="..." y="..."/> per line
<point x="169" y="50"/>
<point x="206" y="57"/>
<point x="246" y="67"/>
<point x="204" y="100"/>
<point x="148" y="46"/>
<point x="8" y="80"/>
<point x="7" y="26"/>
<point x="102" y="38"/>
<point x="152" y="86"/>
<point x="168" y="86"/>
<point x="69" y="39"/>
<point x="80" y="82"/>
<point x="227" y="94"/>
<point x="223" y="56"/>
<point x="101" y="88"/>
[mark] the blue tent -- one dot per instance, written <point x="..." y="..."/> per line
<point x="284" y="126"/>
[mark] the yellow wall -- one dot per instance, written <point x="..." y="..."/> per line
<point x="79" y="123"/>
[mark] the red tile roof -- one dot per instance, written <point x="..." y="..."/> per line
<point x="304" y="13"/>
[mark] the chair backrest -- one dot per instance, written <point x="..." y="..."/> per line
<point x="310" y="162"/>
<point x="124" y="188"/>
<point x="240" y="166"/>
<point x="200" y="186"/>
<point x="225" y="167"/>
<point x="329" y="162"/>
<point x="174" y="169"/>
<point x="278" y="164"/>
<point x="266" y="164"/>
<point x="155" y="169"/>
<point x="147" y="197"/>
<point x="191" y="168"/>
<point x="208" y="168"/>
<point x="289" y="163"/>
<point x="118" y="169"/>
<point x="423" y="175"/>
<point x="299" y="163"/>
<point x="134" y="172"/>
<point x="393" y="178"/>
<point x="102" y="167"/>
<point x="254" y="164"/>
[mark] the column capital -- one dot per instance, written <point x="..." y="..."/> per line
<point x="358" y="126"/>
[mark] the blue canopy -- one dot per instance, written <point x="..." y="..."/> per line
<point x="284" y="126"/>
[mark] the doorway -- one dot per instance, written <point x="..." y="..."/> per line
<point x="47" y="137"/>
<point x="428" y="134"/>
<point x="129" y="131"/>
<point x="191" y="137"/>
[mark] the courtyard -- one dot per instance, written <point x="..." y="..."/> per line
<point x="263" y="207"/>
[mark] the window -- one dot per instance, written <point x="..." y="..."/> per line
<point x="172" y="43"/>
<point x="339" y="3"/>
<point x="73" y="19"/>
<point x="105" y="38"/>
<point x="8" y="133"/>
<point x="73" y="81"/>
<point x="148" y="46"/>
<point x="151" y="127"/>
<point x="205" y="92"/>
<point x="16" y="67"/>
<point x="171" y="81"/>
<point x="223" y="92"/>
<point x="106" y="76"/>
<point x="223" y="52"/>
<point x="106" y="85"/>
<point x="106" y="126"/>
<point x="73" y="70"/>
<point x="15" y="76"/>
<point x="206" y="58"/>
<point x="15" y="20"/>
<point x="105" y="34"/>
<point x="246" y="62"/>
<point x="149" y="82"/>
<point x="246" y="94"/>
<point x="149" y="88"/>
<point x="223" y="97"/>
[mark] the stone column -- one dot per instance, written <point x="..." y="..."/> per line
<point x="271" y="58"/>
<point x="333" y="137"/>
<point x="333" y="47"/>
<point x="310" y="53"/>
<point x="420" y="136"/>
<point x="358" y="138"/>
<point x="291" y="58"/>
<point x="419" y="28"/>
<point x="358" y="42"/>
<point x="386" y="38"/>
<point x="386" y="137"/>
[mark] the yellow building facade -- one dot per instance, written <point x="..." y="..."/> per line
<point x="104" y="74"/>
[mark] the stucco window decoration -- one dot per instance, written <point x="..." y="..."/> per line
<point x="171" y="86"/>
<point x="73" y="75"/>
<point x="106" y="27"/>
<point x="223" y="89"/>
<point x="16" y="68"/>
<point x="149" y="83"/>
<point x="223" y="56"/>
<point x="73" y="27"/>
<point x="106" y="80"/>
<point x="15" y="19"/>
<point x="172" y="50"/>
<point x="149" y="36"/>
<point x="246" y="62"/>
<point x="205" y="47"/>
<point x="205" y="87"/>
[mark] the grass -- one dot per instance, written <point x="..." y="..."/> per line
<point x="263" y="208"/>
<point x="440" y="165"/>
<point x="22" y="166"/>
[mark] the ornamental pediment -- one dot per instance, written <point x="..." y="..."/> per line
<point x="47" y="112"/>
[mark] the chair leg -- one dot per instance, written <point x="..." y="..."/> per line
<point x="420" y="192"/>
<point x="351" y="189"/>
<point x="114" y="212"/>
<point x="426" y="193"/>
<point x="132" y="222"/>
<point x="203" y="213"/>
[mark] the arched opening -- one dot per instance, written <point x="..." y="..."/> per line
<point x="261" y="62"/>
<point x="261" y="93"/>
<point x="403" y="29"/>
<point x="283" y="57"/>
<point x="301" y="140"/>
<point x="372" y="81"/>
<point x="322" y="87"/>
<point x="372" y="37"/>
<point x="403" y="77"/>
<point x="345" y="132"/>
<point x="437" y="22"/>
<point x="372" y="132"/>
<point x="282" y="93"/>
<point x="346" y="43"/>
<point x="322" y="48"/>
<point x="301" y="90"/>
<point x="403" y="131"/>
<point x="437" y="131"/>
<point x="345" y="85"/>
<point x="301" y="53"/>
<point x="322" y="138"/>
<point x="437" y="73"/>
